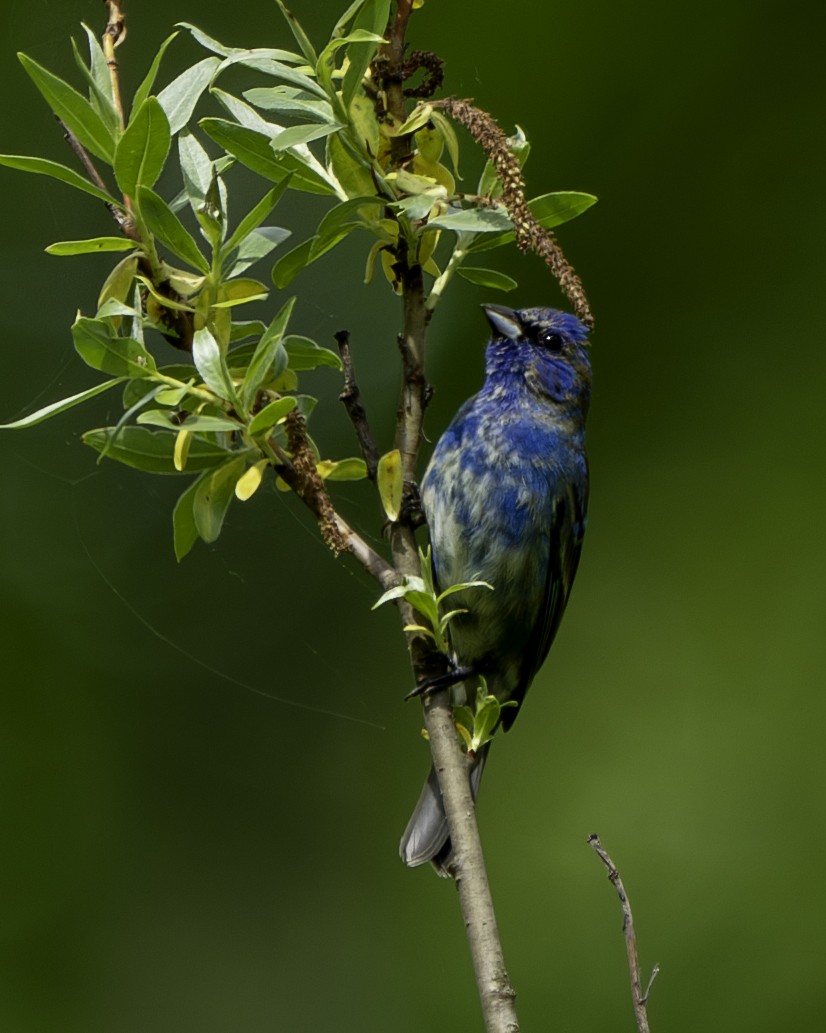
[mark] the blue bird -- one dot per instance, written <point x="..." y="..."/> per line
<point x="505" y="497"/>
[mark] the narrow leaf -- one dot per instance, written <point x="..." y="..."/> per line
<point x="473" y="220"/>
<point x="549" y="210"/>
<point x="211" y="365"/>
<point x="353" y="469"/>
<point x="193" y="424"/>
<point x="250" y="481"/>
<point x="301" y="37"/>
<point x="488" y="278"/>
<point x="43" y="167"/>
<point x="179" y="98"/>
<point x="143" y="148"/>
<point x="184" y="531"/>
<point x="92" y="246"/>
<point x="261" y="365"/>
<point x="373" y="17"/>
<point x="169" y="229"/>
<point x="57" y="407"/>
<point x="270" y="415"/>
<point x="145" y="87"/>
<point x="100" y="349"/>
<point x="253" y="149"/>
<point x="303" y="354"/>
<point x="295" y="135"/>
<point x="257" y="246"/>
<point x="152" y="450"/>
<point x="391" y="483"/>
<point x="73" y="110"/>
<point x="213" y="496"/>
<point x="255" y="216"/>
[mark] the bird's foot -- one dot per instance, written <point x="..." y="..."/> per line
<point x="441" y="681"/>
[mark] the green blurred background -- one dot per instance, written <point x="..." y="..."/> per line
<point x="182" y="854"/>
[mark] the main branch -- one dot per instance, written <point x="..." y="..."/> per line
<point x="468" y="867"/>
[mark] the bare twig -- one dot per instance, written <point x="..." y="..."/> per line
<point x="125" y="222"/>
<point x="351" y="397"/>
<point x="640" y="998"/>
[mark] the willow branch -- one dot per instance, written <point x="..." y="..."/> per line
<point x="113" y="35"/>
<point x="638" y="996"/>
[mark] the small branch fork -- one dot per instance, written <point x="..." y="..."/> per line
<point x="639" y="998"/>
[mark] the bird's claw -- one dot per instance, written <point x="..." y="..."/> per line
<point x="441" y="681"/>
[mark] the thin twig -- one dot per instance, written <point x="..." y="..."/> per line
<point x="351" y="397"/>
<point x="125" y="222"/>
<point x="113" y="35"/>
<point x="640" y="998"/>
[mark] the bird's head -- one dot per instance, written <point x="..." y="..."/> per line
<point x="548" y="346"/>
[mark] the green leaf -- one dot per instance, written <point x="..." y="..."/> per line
<point x="488" y="278"/>
<point x="212" y="366"/>
<point x="73" y="110"/>
<point x="287" y="268"/>
<point x="207" y="42"/>
<point x="255" y="216"/>
<point x="151" y="450"/>
<point x="263" y="359"/>
<point x="118" y="284"/>
<point x="391" y="483"/>
<point x="196" y="169"/>
<point x="271" y="62"/>
<point x="91" y="246"/>
<point x="42" y="167"/>
<point x="267" y="418"/>
<point x="445" y="127"/>
<point x="57" y="407"/>
<point x="295" y="135"/>
<point x="373" y="18"/>
<point x="194" y="424"/>
<point x="179" y="98"/>
<point x="143" y="148"/>
<point x="280" y="99"/>
<point x="169" y="229"/>
<point x="100" y="82"/>
<point x="213" y="496"/>
<point x="473" y="220"/>
<point x="301" y="37"/>
<point x="302" y="354"/>
<point x="257" y="246"/>
<point x="351" y="172"/>
<point x="240" y="292"/>
<point x="184" y="531"/>
<point x="145" y="87"/>
<point x="101" y="349"/>
<point x="549" y="210"/>
<point x="253" y="149"/>
<point x="353" y="469"/>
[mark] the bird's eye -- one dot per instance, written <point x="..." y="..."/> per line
<point x="552" y="341"/>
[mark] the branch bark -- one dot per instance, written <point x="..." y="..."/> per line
<point x="639" y="998"/>
<point x="496" y="994"/>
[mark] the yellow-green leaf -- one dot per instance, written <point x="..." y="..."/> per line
<point x="391" y="483"/>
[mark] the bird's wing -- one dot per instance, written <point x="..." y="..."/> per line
<point x="567" y="531"/>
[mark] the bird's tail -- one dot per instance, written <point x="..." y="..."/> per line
<point x="426" y="836"/>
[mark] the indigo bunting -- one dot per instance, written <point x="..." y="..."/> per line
<point x="505" y="498"/>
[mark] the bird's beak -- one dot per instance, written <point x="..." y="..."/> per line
<point x="503" y="321"/>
